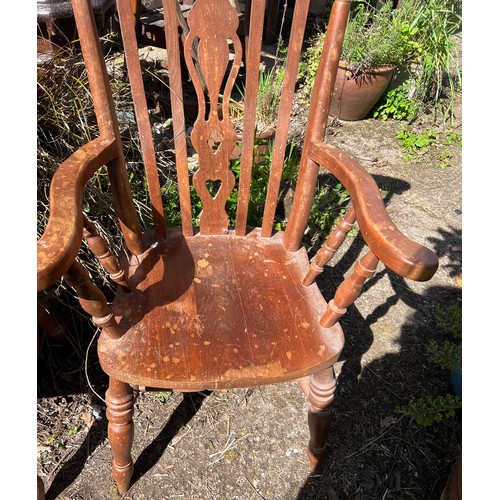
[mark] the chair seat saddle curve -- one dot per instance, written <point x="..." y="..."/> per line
<point x="215" y="304"/>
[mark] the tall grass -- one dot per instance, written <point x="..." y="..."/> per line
<point x="438" y="71"/>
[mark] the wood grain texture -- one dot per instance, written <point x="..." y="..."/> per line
<point x="108" y="124"/>
<point x="172" y="37"/>
<point x="316" y="125"/>
<point x="92" y="299"/>
<point x="128" y="26"/>
<point x="395" y="250"/>
<point x="320" y="394"/>
<point x="219" y="312"/>
<point x="61" y="240"/>
<point x="330" y="247"/>
<point x="210" y="37"/>
<point x="120" y="411"/>
<point x="216" y="308"/>
<point x="251" y="90"/>
<point x="100" y="249"/>
<point x="294" y="51"/>
<point x="350" y="289"/>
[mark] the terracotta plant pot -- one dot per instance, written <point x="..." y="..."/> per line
<point x="262" y="148"/>
<point x="354" y="97"/>
<point x="263" y="140"/>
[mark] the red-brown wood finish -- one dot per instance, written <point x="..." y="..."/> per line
<point x="216" y="307"/>
<point x="331" y="245"/>
<point x="119" y="411"/>
<point x="321" y="391"/>
<point x="92" y="299"/>
<point x="238" y="315"/>
<point x="101" y="250"/>
<point x="349" y="289"/>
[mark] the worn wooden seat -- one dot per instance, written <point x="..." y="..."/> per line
<point x="236" y="315"/>
<point x="219" y="305"/>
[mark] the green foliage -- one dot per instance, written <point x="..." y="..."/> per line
<point x="377" y="37"/>
<point x="449" y="318"/>
<point x="268" y="98"/>
<point x="163" y="397"/>
<point x="429" y="410"/>
<point x="448" y="354"/>
<point x="417" y="37"/>
<point x="434" y="22"/>
<point x="72" y="431"/>
<point x="453" y="139"/>
<point x="308" y="67"/>
<point x="258" y="185"/>
<point x="327" y="209"/>
<point x="417" y="145"/>
<point x="398" y="103"/>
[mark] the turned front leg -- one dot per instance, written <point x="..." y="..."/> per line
<point x="320" y="392"/>
<point x="120" y="410"/>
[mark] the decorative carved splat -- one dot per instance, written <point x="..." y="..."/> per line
<point x="211" y="36"/>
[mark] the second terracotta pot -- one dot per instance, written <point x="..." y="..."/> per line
<point x="354" y="96"/>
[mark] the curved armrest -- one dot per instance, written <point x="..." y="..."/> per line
<point x="395" y="250"/>
<point x="61" y="240"/>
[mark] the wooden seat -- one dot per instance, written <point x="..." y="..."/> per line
<point x="221" y="305"/>
<point x="230" y="312"/>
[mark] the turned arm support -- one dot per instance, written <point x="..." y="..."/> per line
<point x="92" y="299"/>
<point x="61" y="240"/>
<point x="403" y="256"/>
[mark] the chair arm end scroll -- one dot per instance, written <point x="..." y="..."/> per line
<point x="403" y="256"/>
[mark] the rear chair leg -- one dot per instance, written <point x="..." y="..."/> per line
<point x="120" y="409"/>
<point x="320" y="392"/>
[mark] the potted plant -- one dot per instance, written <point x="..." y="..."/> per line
<point x="268" y="99"/>
<point x="376" y="42"/>
<point x="413" y="42"/>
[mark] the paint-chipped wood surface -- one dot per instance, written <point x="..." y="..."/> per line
<point x="218" y="312"/>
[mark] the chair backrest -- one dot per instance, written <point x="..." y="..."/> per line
<point x="207" y="44"/>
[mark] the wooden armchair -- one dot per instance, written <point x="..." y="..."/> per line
<point x="215" y="307"/>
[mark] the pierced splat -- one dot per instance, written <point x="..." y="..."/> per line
<point x="214" y="141"/>
<point x="213" y="42"/>
<point x="213" y="187"/>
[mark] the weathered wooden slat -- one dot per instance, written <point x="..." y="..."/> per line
<point x="108" y="125"/>
<point x="285" y="109"/>
<point x="251" y="88"/>
<point x="178" y="119"/>
<point x="129" y="37"/>
<point x="316" y="125"/>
